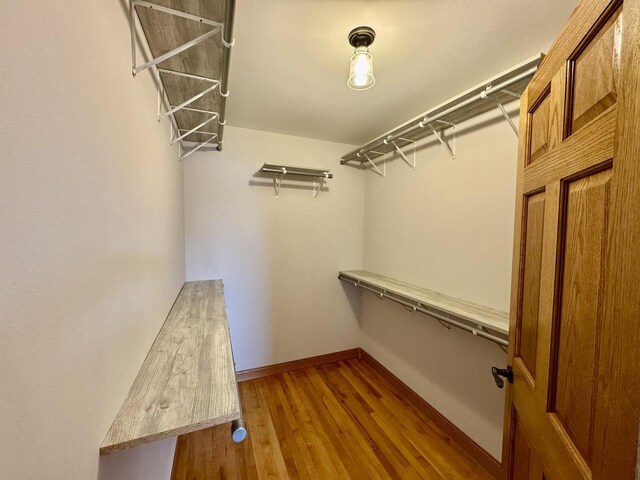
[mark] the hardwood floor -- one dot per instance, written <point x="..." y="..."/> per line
<point x="336" y="421"/>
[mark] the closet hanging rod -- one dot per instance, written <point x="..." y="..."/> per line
<point x="303" y="172"/>
<point x="420" y="307"/>
<point x="228" y="42"/>
<point x="489" y="88"/>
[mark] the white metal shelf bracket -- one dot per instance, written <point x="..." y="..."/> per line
<point x="194" y="129"/>
<point x="383" y="172"/>
<point x="317" y="186"/>
<point x="175" y="109"/>
<point x="506" y="115"/>
<point x="498" y="103"/>
<point x="412" y="164"/>
<point x="277" y="181"/>
<point x="197" y="147"/>
<point x="451" y="149"/>
<point x="135" y="69"/>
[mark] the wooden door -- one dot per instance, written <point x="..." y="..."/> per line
<point x="572" y="410"/>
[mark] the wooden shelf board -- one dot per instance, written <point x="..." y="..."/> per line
<point x="187" y="381"/>
<point x="491" y="318"/>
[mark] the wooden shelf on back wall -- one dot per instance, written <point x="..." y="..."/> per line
<point x="187" y="382"/>
<point x="483" y="321"/>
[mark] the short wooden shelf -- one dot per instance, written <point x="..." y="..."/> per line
<point x="187" y="382"/>
<point x="479" y="319"/>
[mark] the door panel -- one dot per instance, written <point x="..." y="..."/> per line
<point x="574" y="406"/>
<point x="529" y="467"/>
<point x="530" y="290"/>
<point x="540" y="128"/>
<point x="595" y="73"/>
<point x="576" y="336"/>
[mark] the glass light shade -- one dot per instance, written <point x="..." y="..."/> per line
<point x="361" y="70"/>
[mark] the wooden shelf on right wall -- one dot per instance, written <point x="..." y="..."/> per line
<point x="480" y="320"/>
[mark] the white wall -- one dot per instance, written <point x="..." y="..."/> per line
<point x="91" y="238"/>
<point x="448" y="227"/>
<point x="279" y="258"/>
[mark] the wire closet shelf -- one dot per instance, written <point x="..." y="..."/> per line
<point x="493" y="93"/>
<point x="193" y="100"/>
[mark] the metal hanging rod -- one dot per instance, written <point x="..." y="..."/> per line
<point x="279" y="171"/>
<point x="473" y="102"/>
<point x="228" y="41"/>
<point x="302" y="172"/>
<point x="415" y="306"/>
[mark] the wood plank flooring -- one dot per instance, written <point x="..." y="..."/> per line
<point x="337" y="421"/>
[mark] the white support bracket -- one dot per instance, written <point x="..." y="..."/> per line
<point x="510" y="92"/>
<point x="383" y="172"/>
<point x="197" y="147"/>
<point x="135" y="69"/>
<point x="177" y="108"/>
<point x="188" y="75"/>
<point x="277" y="181"/>
<point x="506" y="115"/>
<point x="401" y="153"/>
<point x="317" y="186"/>
<point x="194" y="129"/>
<point x="199" y="131"/>
<point x="451" y="149"/>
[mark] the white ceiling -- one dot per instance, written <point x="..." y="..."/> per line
<point x="291" y="59"/>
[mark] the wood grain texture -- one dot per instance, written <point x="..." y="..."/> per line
<point x="530" y="291"/>
<point x="164" y="32"/>
<point x="297" y="364"/>
<point x="187" y="382"/>
<point x="342" y="420"/>
<point x="488" y="317"/>
<point x="540" y="129"/>
<point x="620" y="353"/>
<point x="583" y="150"/>
<point x="517" y="280"/>
<point x="580" y="420"/>
<point x="573" y="396"/>
<point x="579" y="25"/>
<point x="595" y="74"/>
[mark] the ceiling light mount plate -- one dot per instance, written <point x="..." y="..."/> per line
<point x="362" y="36"/>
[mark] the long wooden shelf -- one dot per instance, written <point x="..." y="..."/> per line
<point x="187" y="382"/>
<point x="481" y="320"/>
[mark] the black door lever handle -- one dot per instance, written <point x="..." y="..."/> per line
<point x="502" y="372"/>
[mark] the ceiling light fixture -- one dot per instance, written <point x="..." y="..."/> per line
<point x="361" y="69"/>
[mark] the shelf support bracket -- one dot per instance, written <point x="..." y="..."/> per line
<point x="506" y="115"/>
<point x="193" y="130"/>
<point x="191" y="100"/>
<point x="197" y="147"/>
<point x="510" y="92"/>
<point x="217" y="27"/>
<point x="277" y="181"/>
<point x="317" y="186"/>
<point x="440" y="137"/>
<point x="401" y="153"/>
<point x="382" y="173"/>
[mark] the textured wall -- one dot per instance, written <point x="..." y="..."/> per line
<point x="448" y="227"/>
<point x="91" y="236"/>
<point x="279" y="258"/>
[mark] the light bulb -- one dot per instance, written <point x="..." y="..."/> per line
<point x="361" y="70"/>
